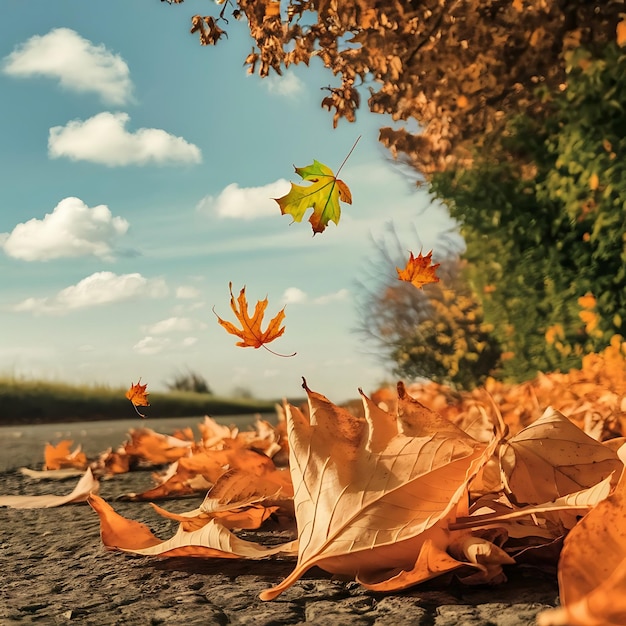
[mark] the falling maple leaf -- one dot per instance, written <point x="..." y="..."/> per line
<point x="138" y="395"/>
<point x="419" y="270"/>
<point x="250" y="332"/>
<point x="323" y="195"/>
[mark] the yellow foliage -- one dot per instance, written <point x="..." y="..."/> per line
<point x="555" y="331"/>
<point x="591" y="319"/>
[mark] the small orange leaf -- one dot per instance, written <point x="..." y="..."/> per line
<point x="59" y="456"/>
<point x="419" y="270"/>
<point x="621" y="33"/>
<point x="462" y="102"/>
<point x="250" y="332"/>
<point x="588" y="301"/>
<point x="138" y="396"/>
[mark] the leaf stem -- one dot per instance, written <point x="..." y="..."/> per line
<point x="348" y="156"/>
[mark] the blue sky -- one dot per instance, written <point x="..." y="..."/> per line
<point x="137" y="171"/>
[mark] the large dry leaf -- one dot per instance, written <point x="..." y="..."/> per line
<point x="592" y="569"/>
<point x="553" y="457"/>
<point x="367" y="495"/>
<point x="86" y="485"/>
<point x="210" y="540"/>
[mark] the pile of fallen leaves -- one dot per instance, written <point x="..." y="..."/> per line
<point x="416" y="484"/>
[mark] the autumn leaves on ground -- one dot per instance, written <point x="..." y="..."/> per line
<point x="407" y="485"/>
<point x="395" y="493"/>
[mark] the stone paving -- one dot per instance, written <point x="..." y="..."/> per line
<point x="55" y="571"/>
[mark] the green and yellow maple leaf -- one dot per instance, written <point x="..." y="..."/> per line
<point x="323" y="196"/>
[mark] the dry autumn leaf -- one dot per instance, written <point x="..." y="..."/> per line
<point x="250" y="333"/>
<point x="373" y="495"/>
<point x="60" y="457"/>
<point x="419" y="270"/>
<point x="579" y="503"/>
<point x="86" y="485"/>
<point x="249" y="518"/>
<point x="551" y="458"/>
<point x="155" y="448"/>
<point x="592" y="568"/>
<point x="201" y="469"/>
<point x="55" y="474"/>
<point x="238" y="488"/>
<point x="138" y="396"/>
<point x="210" y="540"/>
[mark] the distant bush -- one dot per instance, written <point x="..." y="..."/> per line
<point x="242" y="392"/>
<point x="189" y="381"/>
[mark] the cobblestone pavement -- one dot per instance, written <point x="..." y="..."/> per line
<point x="55" y="571"/>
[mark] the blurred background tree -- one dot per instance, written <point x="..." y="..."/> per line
<point x="437" y="332"/>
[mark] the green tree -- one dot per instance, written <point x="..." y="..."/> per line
<point x="542" y="213"/>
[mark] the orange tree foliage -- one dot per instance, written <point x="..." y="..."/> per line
<point x="457" y="68"/>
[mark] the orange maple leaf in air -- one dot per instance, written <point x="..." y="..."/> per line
<point x="419" y="270"/>
<point x="138" y="395"/>
<point x="250" y="332"/>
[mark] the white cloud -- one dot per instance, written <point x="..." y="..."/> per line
<point x="154" y="345"/>
<point x="186" y="292"/>
<point x="287" y="85"/>
<point x="293" y="295"/>
<point x="342" y="294"/>
<point x="96" y="290"/>
<point x="151" y="345"/>
<point x="71" y="230"/>
<point x="104" y="139"/>
<point x="172" y="324"/>
<point x="78" y="64"/>
<point x="246" y="202"/>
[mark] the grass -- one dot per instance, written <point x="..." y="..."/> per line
<point x="41" y="402"/>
